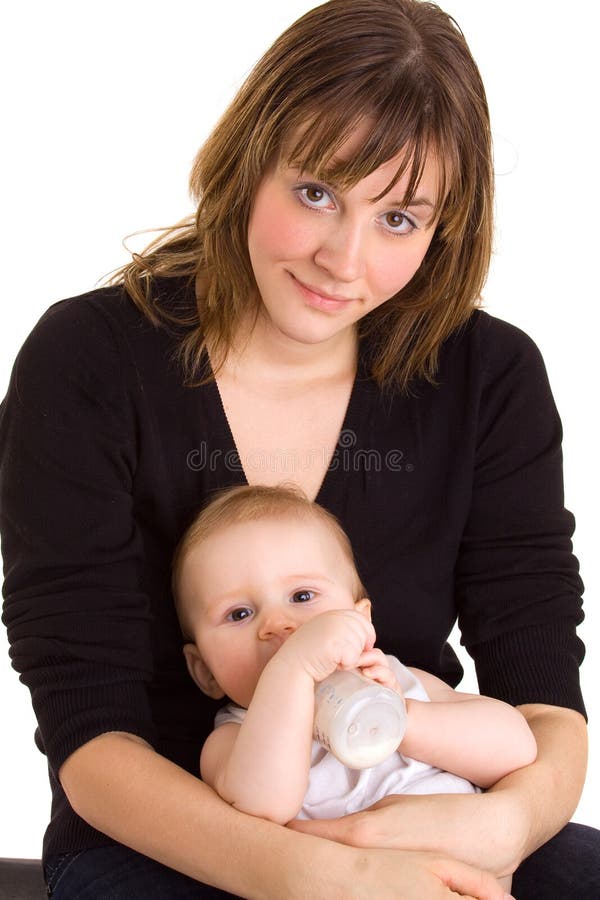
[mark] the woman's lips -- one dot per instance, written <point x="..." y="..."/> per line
<point x="320" y="299"/>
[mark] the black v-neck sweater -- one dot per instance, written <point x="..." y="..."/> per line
<point x="452" y="498"/>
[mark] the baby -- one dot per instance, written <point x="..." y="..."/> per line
<point x="270" y="604"/>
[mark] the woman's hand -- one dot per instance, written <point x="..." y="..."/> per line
<point x="483" y="830"/>
<point x="418" y="876"/>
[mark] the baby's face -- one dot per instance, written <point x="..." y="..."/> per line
<point x="249" y="586"/>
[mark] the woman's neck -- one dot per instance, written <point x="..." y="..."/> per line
<point x="262" y="353"/>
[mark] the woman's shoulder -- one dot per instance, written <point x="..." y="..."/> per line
<point x="95" y="325"/>
<point x="492" y="333"/>
<point x="493" y="346"/>
<point x="93" y="340"/>
<point x="483" y="348"/>
<point x="105" y="307"/>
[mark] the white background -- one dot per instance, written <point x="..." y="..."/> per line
<point x="105" y="107"/>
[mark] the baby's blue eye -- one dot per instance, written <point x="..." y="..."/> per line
<point x="238" y="615"/>
<point x="302" y="596"/>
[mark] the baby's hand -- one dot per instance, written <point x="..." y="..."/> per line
<point x="332" y="640"/>
<point x="374" y="664"/>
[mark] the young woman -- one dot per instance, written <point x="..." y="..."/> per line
<point x="315" y="322"/>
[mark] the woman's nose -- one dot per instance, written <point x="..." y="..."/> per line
<point x="342" y="252"/>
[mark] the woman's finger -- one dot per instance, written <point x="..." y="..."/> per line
<point x="460" y="877"/>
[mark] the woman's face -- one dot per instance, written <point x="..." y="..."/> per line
<point x="323" y="258"/>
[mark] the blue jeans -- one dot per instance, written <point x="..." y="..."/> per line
<point x="566" y="868"/>
<point x="117" y="873"/>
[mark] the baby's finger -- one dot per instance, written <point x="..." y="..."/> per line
<point x="369" y="632"/>
<point x="382" y="675"/>
<point x="373" y="657"/>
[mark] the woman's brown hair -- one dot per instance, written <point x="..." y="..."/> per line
<point x="403" y="67"/>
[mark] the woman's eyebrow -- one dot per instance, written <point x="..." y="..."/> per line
<point x="416" y="201"/>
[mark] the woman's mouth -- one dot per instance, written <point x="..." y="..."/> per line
<point x="320" y="299"/>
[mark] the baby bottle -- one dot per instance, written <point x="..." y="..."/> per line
<point x="359" y="721"/>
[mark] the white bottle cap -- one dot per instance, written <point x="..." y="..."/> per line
<point x="371" y="730"/>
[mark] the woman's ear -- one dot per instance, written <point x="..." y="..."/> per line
<point x="201" y="673"/>
<point x="364" y="606"/>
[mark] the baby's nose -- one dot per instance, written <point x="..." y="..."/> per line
<point x="277" y="625"/>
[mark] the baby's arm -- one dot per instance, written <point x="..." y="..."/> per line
<point x="476" y="737"/>
<point x="261" y="766"/>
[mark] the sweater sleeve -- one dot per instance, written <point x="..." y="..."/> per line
<point x="517" y="584"/>
<point x="77" y="621"/>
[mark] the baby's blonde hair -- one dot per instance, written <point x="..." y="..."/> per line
<point x="252" y="503"/>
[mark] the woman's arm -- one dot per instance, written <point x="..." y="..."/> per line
<point x="262" y="766"/>
<point x="122" y="787"/>
<point x="477" y="737"/>
<point x="546" y="794"/>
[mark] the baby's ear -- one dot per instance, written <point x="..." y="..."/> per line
<point x="364" y="606"/>
<point x="201" y="673"/>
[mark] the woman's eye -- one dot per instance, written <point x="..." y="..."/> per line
<point x="398" y="222"/>
<point x="238" y="615"/>
<point x="314" y="196"/>
<point x="302" y="596"/>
